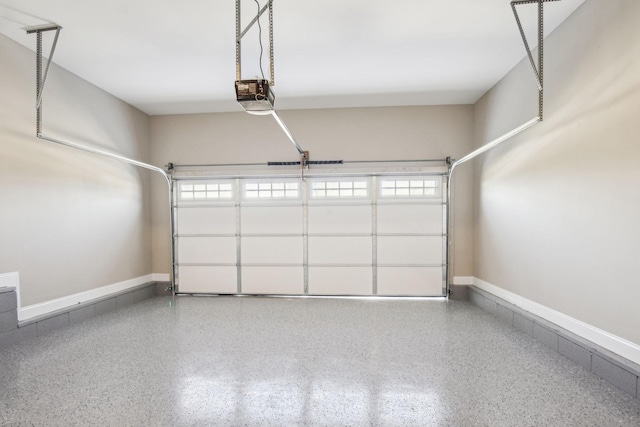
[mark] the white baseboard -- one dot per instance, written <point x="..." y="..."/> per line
<point x="31" y="311"/>
<point x="161" y="277"/>
<point x="617" y="345"/>
<point x="463" y="280"/>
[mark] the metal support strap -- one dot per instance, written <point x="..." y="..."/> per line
<point x="46" y="70"/>
<point x="539" y="70"/>
<point x="241" y="33"/>
<point x="40" y="79"/>
<point x="541" y="59"/>
<point x="238" y="43"/>
<point x="254" y="20"/>
<point x="38" y="82"/>
<point x="272" y="72"/>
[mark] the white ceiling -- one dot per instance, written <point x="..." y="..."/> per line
<point x="175" y="57"/>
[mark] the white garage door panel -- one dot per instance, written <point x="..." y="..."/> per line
<point x="207" y="250"/>
<point x="410" y="281"/>
<point x="410" y="250"/>
<point x="271" y="220"/>
<point x="339" y="219"/>
<point x="273" y="280"/>
<point x="340" y="280"/>
<point x="340" y="250"/>
<point x="207" y="279"/>
<point x="207" y="220"/>
<point x="271" y="250"/>
<point x="422" y="219"/>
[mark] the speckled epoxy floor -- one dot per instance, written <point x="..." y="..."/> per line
<point x="275" y="361"/>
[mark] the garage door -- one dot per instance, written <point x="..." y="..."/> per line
<point x="323" y="235"/>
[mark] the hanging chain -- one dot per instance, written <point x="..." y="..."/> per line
<point x="271" y="68"/>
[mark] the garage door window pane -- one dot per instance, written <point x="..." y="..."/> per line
<point x="208" y="191"/>
<point x="339" y="189"/>
<point x="410" y="188"/>
<point x="271" y="190"/>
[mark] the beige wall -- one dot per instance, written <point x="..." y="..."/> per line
<point x="558" y="208"/>
<point x="70" y="221"/>
<point x="339" y="134"/>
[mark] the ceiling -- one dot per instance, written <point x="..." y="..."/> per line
<point x="178" y="57"/>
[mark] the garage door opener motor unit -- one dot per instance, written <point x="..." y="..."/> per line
<point x="255" y="96"/>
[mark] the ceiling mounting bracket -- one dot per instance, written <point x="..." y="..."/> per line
<point x="241" y="33"/>
<point x="539" y="69"/>
<point x="40" y="78"/>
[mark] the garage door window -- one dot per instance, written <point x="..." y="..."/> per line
<point x="339" y="189"/>
<point x="410" y="188"/>
<point x="218" y="191"/>
<point x="271" y="190"/>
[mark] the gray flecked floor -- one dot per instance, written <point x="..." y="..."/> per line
<point x="276" y="361"/>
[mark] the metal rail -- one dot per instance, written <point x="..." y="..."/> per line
<point x="107" y="154"/>
<point x="495" y="142"/>
<point x="344" y="162"/>
<point x="308" y="175"/>
<point x="287" y="132"/>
